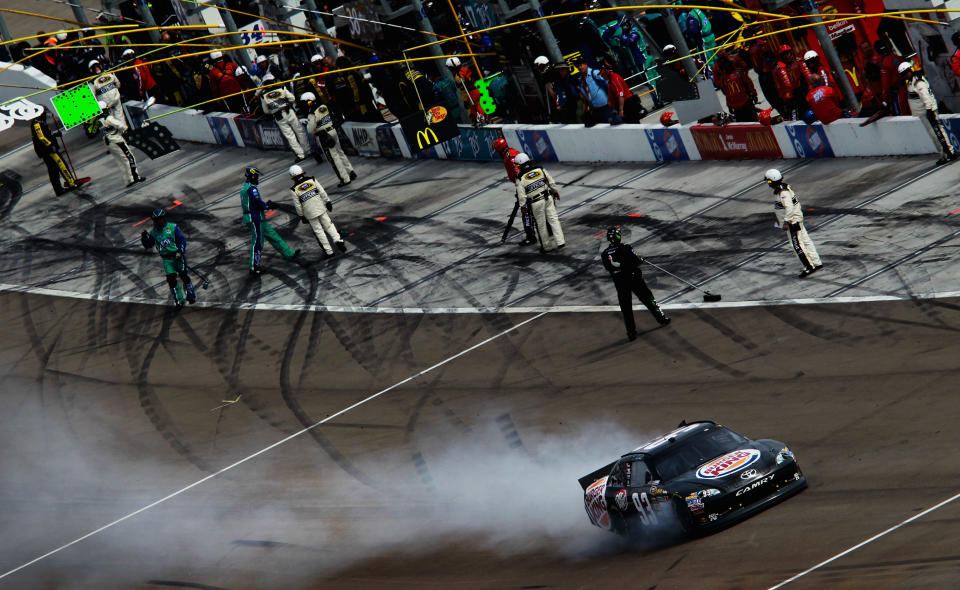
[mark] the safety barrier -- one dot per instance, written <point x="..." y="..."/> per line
<point x="889" y="136"/>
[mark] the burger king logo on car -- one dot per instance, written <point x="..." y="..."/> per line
<point x="729" y="463"/>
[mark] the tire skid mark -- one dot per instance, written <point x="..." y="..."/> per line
<point x="289" y="398"/>
<point x="798" y="322"/>
<point x="709" y="360"/>
<point x="730" y="333"/>
<point x="150" y="401"/>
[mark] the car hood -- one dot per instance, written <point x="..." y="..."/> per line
<point x="729" y="470"/>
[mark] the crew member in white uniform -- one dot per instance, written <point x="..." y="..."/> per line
<point x="279" y="102"/>
<point x="917" y="82"/>
<point x="790" y="217"/>
<point x="536" y="188"/>
<point x="113" y="129"/>
<point x="313" y="206"/>
<point x="320" y="123"/>
<point x="106" y="89"/>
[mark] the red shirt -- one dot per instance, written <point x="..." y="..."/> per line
<point x="822" y="72"/>
<point x="616" y="88"/>
<point x="955" y="63"/>
<point x="512" y="170"/>
<point x="736" y="86"/>
<point x="223" y="78"/>
<point x="825" y="102"/>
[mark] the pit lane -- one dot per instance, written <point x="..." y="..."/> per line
<point x="109" y="402"/>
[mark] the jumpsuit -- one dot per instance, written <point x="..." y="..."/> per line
<point x="790" y="216"/>
<point x="538" y="190"/>
<point x="623" y="264"/>
<point x="171" y="244"/>
<point x="320" y="123"/>
<point x="106" y="88"/>
<point x="254" y="210"/>
<point x="512" y="173"/>
<point x="113" y="130"/>
<point x="45" y="147"/>
<point x="279" y="103"/>
<point x="312" y="204"/>
<point x="931" y="120"/>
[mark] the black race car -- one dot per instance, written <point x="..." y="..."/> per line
<point x="702" y="475"/>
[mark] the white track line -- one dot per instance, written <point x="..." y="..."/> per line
<point x="861" y="544"/>
<point x="471" y="310"/>
<point x="274" y="445"/>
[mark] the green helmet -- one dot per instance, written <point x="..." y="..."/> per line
<point x="613" y="235"/>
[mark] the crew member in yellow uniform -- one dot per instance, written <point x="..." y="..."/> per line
<point x="313" y="206"/>
<point x="45" y="145"/>
<point x="320" y="123"/>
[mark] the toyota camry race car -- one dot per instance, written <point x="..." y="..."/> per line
<point x="702" y="475"/>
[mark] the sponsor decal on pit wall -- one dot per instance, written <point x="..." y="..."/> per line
<point x="729" y="463"/>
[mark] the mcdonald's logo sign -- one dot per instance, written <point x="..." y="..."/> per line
<point x="422" y="135"/>
<point x="423" y="138"/>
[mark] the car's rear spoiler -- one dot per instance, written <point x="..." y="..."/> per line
<point x="588" y="479"/>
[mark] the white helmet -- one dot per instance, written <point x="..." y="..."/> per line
<point x="127" y="53"/>
<point x="93" y="62"/>
<point x="810" y="55"/>
<point x="61" y="36"/>
<point x="261" y="59"/>
<point x="667" y="48"/>
<point x="904" y="67"/>
<point x="295" y="171"/>
<point x="453" y="62"/>
<point x="216" y="54"/>
<point x="773" y="175"/>
<point x="541" y="61"/>
<point x="308" y="97"/>
<point x="521" y="159"/>
<point x="268" y="78"/>
<point x="315" y="58"/>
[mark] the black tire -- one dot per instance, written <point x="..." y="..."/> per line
<point x="684" y="519"/>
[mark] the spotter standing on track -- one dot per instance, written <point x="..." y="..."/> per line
<point x="623" y="264"/>
<point x="537" y="189"/>
<point x="313" y="205"/>
<point x="917" y="82"/>
<point x="278" y="103"/>
<point x="45" y="146"/>
<point x="790" y="218"/>
<point x="513" y="172"/>
<point x="113" y="128"/>
<point x="254" y="215"/>
<point x="320" y="123"/>
<point x="171" y="244"/>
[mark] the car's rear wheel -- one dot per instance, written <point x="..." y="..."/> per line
<point x="684" y="519"/>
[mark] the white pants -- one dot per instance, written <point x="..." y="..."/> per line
<point x="803" y="245"/>
<point x="293" y="132"/>
<point x="341" y="165"/>
<point x="545" y="213"/>
<point x="321" y="226"/>
<point x="122" y="153"/>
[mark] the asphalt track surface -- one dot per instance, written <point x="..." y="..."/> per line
<point x="437" y="395"/>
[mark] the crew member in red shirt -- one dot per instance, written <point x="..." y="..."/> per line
<point x="824" y="100"/>
<point x="737" y="88"/>
<point x="513" y="172"/>
<point x="811" y="67"/>
<point x="791" y="85"/>
<point x="224" y="82"/>
<point x="893" y="88"/>
<point x="955" y="60"/>
<point x="620" y="98"/>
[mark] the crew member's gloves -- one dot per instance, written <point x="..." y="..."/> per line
<point x="329" y="206"/>
<point x="145" y="240"/>
<point x="303" y="219"/>
<point x="270" y="205"/>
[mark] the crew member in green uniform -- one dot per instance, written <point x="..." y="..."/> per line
<point x="254" y="215"/>
<point x="171" y="244"/>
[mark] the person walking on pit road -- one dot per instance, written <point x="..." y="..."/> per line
<point x="254" y="215"/>
<point x="320" y="123"/>
<point x="623" y="264"/>
<point x="313" y="206"/>
<point x="171" y="244"/>
<point x="536" y="188"/>
<point x="113" y="129"/>
<point x="789" y="215"/>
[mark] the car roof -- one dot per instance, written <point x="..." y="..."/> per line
<point x="681" y="433"/>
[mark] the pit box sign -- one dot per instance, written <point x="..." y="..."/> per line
<point x="423" y="132"/>
<point x="738" y="141"/>
<point x="76" y="106"/>
<point x="667" y="145"/>
<point x="809" y="141"/>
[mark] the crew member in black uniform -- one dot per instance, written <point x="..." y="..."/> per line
<point x="45" y="145"/>
<point x="623" y="264"/>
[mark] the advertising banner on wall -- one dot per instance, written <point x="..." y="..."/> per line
<point x="951" y="127"/>
<point x="363" y="137"/>
<point x="667" y="145"/>
<point x="809" y="141"/>
<point x="222" y="129"/>
<point x="473" y="144"/>
<point x="739" y="141"/>
<point x="421" y="135"/>
<point x="389" y="148"/>
<point x="537" y="145"/>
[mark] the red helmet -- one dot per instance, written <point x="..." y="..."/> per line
<point x="764" y="117"/>
<point x="666" y="119"/>
<point x="785" y="48"/>
<point x="500" y="144"/>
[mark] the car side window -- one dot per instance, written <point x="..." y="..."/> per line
<point x="641" y="474"/>
<point x="618" y="476"/>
